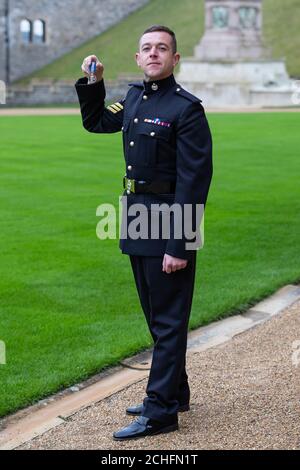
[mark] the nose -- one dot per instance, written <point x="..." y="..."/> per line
<point x="153" y="52"/>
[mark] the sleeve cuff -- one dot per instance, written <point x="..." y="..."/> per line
<point x="85" y="90"/>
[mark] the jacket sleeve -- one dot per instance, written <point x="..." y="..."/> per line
<point x="194" y="171"/>
<point x="95" y="116"/>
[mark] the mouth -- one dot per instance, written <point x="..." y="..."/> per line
<point x="153" y="63"/>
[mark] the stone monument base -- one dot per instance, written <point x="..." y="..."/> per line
<point x="233" y="84"/>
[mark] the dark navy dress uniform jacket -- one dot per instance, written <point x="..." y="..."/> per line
<point x="166" y="137"/>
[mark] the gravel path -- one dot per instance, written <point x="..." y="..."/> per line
<point x="67" y="111"/>
<point x="245" y="395"/>
<point x="38" y="111"/>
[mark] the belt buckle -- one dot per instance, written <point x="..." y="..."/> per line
<point x="130" y="185"/>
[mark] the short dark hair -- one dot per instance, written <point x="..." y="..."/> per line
<point x="160" y="28"/>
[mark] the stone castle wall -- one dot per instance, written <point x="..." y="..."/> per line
<point x="68" y="24"/>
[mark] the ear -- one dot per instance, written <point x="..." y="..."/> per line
<point x="137" y="58"/>
<point x="176" y="59"/>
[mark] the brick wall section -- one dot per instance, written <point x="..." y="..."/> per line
<point x="59" y="92"/>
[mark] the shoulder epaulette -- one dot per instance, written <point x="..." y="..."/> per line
<point x="182" y="92"/>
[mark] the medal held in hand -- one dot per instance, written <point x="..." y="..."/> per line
<point x="92" y="75"/>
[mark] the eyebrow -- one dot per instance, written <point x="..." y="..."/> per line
<point x="159" y="44"/>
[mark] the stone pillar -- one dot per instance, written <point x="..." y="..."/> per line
<point x="231" y="66"/>
<point x="233" y="31"/>
<point x="3" y="54"/>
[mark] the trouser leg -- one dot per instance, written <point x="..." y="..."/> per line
<point x="137" y="265"/>
<point x="166" y="300"/>
<point x="138" y="268"/>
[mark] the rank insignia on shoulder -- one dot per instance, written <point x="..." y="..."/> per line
<point x="115" y="108"/>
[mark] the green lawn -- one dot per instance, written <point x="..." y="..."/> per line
<point x="116" y="46"/>
<point x="68" y="303"/>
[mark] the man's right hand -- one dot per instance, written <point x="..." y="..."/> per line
<point x="86" y="67"/>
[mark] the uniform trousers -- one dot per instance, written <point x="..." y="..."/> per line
<point x="166" y="300"/>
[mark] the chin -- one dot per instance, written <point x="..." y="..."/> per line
<point x="154" y="75"/>
<point x="154" y="72"/>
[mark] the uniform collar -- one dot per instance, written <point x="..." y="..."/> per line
<point x="156" y="85"/>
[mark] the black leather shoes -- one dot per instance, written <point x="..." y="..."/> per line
<point x="139" y="409"/>
<point x="143" y="427"/>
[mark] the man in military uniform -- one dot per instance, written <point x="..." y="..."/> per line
<point x="168" y="155"/>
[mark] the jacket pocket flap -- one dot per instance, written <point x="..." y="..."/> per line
<point x="154" y="131"/>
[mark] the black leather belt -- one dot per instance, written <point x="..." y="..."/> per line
<point x="156" y="187"/>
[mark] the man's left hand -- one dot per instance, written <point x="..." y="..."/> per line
<point x="172" y="264"/>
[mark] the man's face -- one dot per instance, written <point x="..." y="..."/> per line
<point x="156" y="57"/>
